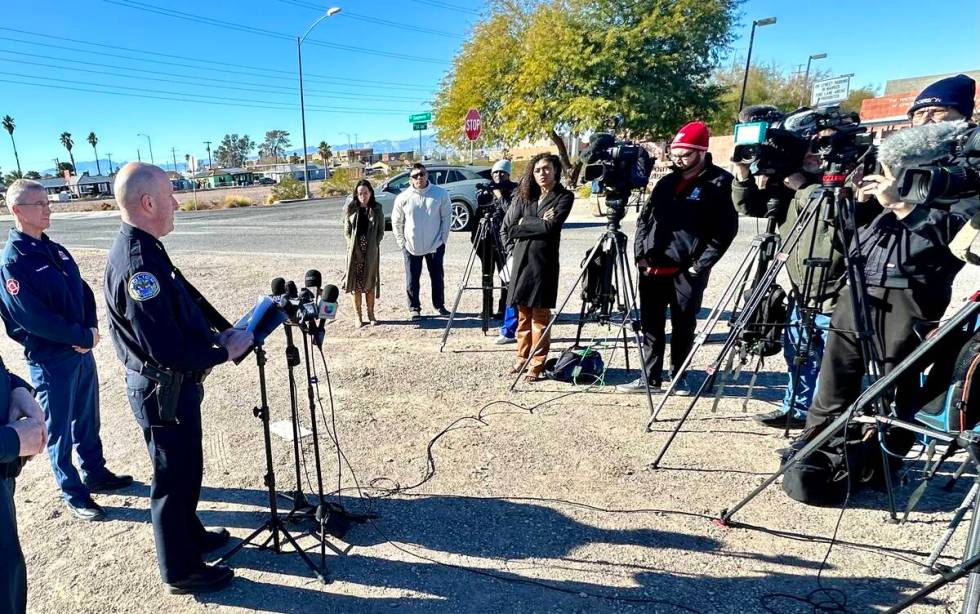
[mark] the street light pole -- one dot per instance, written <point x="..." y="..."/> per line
<point x="748" y="60"/>
<point x="806" y="75"/>
<point x="109" y="156"/>
<point x="302" y="105"/>
<point x="148" y="144"/>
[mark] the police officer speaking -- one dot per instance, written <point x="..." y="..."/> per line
<point x="168" y="337"/>
<point x="50" y="310"/>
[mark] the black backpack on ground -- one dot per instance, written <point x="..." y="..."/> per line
<point x="763" y="333"/>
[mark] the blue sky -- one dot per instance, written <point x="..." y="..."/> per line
<point x="184" y="73"/>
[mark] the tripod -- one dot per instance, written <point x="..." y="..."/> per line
<point x="487" y="240"/>
<point x="275" y="525"/>
<point x="615" y="291"/>
<point x="831" y="202"/>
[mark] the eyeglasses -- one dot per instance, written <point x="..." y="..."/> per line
<point x="499" y="173"/>
<point x="417" y="175"/>
<point x="933" y="113"/>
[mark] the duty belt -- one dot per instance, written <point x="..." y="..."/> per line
<point x="9" y="471"/>
<point x="168" y="387"/>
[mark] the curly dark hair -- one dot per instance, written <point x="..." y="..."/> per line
<point x="529" y="190"/>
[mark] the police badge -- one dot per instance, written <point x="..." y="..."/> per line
<point x="143" y="286"/>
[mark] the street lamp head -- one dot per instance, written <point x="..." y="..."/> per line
<point x="768" y="21"/>
<point x="333" y="10"/>
<point x="818" y="56"/>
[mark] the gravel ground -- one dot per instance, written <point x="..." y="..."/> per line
<point x="530" y="501"/>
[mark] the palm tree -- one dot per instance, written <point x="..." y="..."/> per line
<point x="8" y="125"/>
<point x="68" y="143"/>
<point x="93" y="141"/>
<point x="325" y="153"/>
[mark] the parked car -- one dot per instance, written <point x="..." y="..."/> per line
<point x="459" y="181"/>
<point x="266" y="181"/>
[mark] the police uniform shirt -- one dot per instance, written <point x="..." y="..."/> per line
<point x="46" y="305"/>
<point x="152" y="316"/>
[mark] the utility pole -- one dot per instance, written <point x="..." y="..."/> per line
<point x="139" y="158"/>
<point x="208" y="144"/>
<point x="149" y="144"/>
<point x="109" y="156"/>
<point x="173" y="152"/>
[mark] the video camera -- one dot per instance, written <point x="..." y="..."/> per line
<point x="619" y="167"/>
<point x="778" y="144"/>
<point x="947" y="178"/>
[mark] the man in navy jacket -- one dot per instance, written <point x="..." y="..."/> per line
<point x="48" y="308"/>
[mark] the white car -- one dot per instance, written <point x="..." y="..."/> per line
<point x="459" y="181"/>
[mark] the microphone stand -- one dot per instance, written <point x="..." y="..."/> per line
<point x="300" y="505"/>
<point x="333" y="518"/>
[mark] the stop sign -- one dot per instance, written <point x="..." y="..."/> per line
<point x="473" y="125"/>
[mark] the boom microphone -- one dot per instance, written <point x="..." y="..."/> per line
<point x="920" y="144"/>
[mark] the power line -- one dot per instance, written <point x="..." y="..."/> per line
<point x="149" y="8"/>
<point x="375" y="20"/>
<point x="447" y="5"/>
<point x="212" y="82"/>
<point x="293" y="74"/>
<point x="193" y="98"/>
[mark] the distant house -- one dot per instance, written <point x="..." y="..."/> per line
<point x="54" y="185"/>
<point x="226" y="177"/>
<point x="90" y="185"/>
<point x="179" y="182"/>
<point x="393" y="156"/>
<point x="278" y="171"/>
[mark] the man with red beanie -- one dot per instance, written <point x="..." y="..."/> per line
<point x="684" y="229"/>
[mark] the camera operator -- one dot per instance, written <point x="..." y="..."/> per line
<point x="685" y="227"/>
<point x="909" y="271"/>
<point x="493" y="200"/>
<point x="782" y="199"/>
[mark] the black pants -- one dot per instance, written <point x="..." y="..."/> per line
<point x="13" y="573"/>
<point x="682" y="293"/>
<point x="491" y="263"/>
<point x="893" y="315"/>
<point x="413" y="273"/>
<point x="178" y="466"/>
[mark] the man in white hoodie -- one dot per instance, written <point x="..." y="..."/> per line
<point x="421" y="218"/>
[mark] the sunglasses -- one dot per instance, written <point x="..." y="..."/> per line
<point x="417" y="175"/>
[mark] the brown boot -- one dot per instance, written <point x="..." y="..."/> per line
<point x="358" y="319"/>
<point x="369" y="298"/>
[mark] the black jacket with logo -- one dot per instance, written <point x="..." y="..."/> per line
<point x="692" y="228"/>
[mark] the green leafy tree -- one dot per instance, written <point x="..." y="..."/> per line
<point x="233" y="150"/>
<point x="32" y="175"/>
<point x="66" y="166"/>
<point x="275" y="144"/>
<point x="325" y="152"/>
<point x="9" y="125"/>
<point x="542" y="69"/>
<point x="93" y="141"/>
<point x="855" y="97"/>
<point x="68" y="143"/>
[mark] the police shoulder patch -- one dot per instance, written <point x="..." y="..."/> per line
<point x="143" y="286"/>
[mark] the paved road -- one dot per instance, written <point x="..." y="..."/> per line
<point x="294" y="228"/>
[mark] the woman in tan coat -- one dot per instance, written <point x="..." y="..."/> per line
<point x="364" y="226"/>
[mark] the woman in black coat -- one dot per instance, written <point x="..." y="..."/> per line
<point x="532" y="231"/>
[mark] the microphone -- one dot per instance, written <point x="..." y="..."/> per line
<point x="920" y="144"/>
<point x="278" y="286"/>
<point x="328" y="303"/>
<point x="291" y="292"/>
<point x="313" y="279"/>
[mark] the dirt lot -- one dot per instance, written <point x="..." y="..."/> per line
<point x="529" y="502"/>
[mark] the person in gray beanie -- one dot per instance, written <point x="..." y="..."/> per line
<point x="494" y="201"/>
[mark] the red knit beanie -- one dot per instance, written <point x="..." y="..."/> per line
<point x="693" y="135"/>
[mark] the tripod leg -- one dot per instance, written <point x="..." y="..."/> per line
<point x="972" y="600"/>
<point x="968" y="502"/>
<point x="953" y="575"/>
<point x="320" y="572"/>
<point x="462" y="286"/>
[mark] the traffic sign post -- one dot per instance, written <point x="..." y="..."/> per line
<point x="472" y="126"/>
<point x="420" y="121"/>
